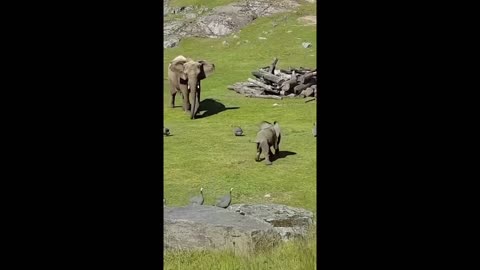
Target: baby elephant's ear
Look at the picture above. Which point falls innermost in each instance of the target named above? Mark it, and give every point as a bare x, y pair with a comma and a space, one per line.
276, 127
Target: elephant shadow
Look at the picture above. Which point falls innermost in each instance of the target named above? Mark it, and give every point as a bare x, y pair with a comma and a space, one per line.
282, 154
209, 107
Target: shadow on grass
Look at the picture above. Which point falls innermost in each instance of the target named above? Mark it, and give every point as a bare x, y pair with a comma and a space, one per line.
282, 154
209, 107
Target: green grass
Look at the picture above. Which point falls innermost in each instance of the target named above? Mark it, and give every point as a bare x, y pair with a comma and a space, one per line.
294, 255
205, 3
205, 153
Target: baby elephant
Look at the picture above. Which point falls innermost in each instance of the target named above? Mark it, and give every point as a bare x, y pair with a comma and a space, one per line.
268, 136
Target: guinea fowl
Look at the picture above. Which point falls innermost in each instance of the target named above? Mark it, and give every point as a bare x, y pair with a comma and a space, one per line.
225, 201
166, 131
314, 130
197, 200
164, 202
238, 131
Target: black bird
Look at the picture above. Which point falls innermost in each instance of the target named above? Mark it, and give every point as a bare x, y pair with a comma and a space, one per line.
225, 201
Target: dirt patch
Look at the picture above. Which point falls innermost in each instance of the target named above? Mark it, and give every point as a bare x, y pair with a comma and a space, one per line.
308, 20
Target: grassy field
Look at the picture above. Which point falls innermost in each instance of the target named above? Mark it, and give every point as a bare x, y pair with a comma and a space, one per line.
204, 153
294, 255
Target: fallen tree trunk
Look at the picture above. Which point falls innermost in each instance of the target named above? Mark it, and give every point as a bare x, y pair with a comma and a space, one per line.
304, 78
272, 66
263, 96
290, 84
267, 76
267, 88
246, 90
307, 92
299, 88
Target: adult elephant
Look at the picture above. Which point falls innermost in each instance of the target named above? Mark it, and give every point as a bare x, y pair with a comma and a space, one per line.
185, 75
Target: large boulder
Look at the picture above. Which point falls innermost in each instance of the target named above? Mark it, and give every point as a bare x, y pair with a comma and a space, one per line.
209, 227
242, 227
289, 222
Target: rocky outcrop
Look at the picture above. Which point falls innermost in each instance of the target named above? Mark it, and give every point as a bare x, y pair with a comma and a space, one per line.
209, 227
221, 21
241, 227
288, 221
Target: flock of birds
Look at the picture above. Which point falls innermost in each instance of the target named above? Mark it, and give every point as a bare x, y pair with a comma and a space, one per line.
222, 202
239, 132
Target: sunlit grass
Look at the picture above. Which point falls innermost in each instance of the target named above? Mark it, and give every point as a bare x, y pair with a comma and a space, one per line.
205, 153
295, 255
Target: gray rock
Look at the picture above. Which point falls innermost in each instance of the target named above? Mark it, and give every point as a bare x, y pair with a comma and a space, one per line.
209, 227
306, 44
289, 222
190, 16
171, 42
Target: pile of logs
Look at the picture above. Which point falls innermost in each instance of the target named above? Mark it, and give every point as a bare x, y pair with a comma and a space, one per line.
278, 83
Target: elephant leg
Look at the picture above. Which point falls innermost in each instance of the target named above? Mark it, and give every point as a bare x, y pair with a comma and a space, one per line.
270, 152
259, 151
266, 150
277, 146
173, 92
173, 100
186, 102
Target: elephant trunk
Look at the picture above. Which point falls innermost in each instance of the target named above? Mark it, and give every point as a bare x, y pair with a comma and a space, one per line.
194, 107
194, 89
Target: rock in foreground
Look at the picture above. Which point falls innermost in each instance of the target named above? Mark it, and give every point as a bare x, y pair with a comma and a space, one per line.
241, 227
288, 221
209, 227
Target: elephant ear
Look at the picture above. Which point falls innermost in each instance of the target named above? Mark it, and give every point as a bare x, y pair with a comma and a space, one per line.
178, 66
265, 124
206, 69
276, 127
